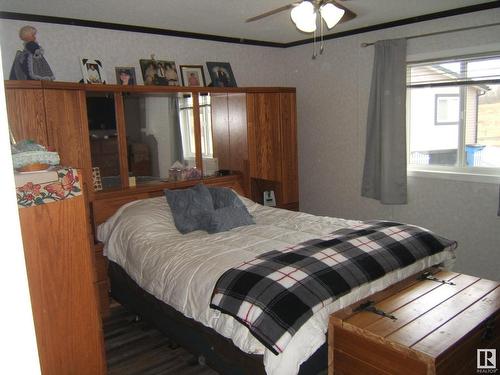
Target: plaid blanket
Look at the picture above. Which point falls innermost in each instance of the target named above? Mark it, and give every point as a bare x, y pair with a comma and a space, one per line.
277, 292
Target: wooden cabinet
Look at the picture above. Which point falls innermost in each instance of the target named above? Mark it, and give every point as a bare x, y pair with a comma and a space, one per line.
61, 282
272, 146
54, 117
253, 134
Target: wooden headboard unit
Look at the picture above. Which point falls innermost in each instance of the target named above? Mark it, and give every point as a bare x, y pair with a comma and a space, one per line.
106, 203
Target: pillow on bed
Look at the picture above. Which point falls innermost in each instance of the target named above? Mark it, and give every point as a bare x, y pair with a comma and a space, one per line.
190, 207
226, 218
230, 212
224, 197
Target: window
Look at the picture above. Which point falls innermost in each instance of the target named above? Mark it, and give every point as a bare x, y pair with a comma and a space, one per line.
454, 115
447, 109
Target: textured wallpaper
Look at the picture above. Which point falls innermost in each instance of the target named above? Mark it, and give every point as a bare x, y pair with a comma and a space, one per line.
64, 45
332, 98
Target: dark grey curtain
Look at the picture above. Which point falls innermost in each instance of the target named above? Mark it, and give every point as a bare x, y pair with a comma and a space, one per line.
384, 175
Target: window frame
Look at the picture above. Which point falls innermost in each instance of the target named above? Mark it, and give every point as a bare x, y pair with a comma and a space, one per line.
460, 171
436, 99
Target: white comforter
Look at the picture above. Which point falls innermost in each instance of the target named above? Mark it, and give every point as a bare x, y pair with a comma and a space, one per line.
181, 270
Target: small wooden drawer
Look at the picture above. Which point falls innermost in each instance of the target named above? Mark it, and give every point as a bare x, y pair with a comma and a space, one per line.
437, 329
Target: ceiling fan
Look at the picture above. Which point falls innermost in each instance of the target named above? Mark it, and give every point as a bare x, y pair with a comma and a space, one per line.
306, 14
330, 10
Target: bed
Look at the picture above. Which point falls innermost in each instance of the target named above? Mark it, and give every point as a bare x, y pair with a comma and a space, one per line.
169, 278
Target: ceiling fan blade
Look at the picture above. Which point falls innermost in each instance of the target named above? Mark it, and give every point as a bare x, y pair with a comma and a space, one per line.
271, 12
348, 15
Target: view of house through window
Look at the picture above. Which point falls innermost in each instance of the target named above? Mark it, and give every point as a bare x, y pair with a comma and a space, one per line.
454, 115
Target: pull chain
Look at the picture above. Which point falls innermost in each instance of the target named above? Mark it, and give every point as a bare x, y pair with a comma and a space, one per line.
314, 46
322, 45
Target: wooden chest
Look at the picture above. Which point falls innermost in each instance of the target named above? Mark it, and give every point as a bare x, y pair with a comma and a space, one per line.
436, 328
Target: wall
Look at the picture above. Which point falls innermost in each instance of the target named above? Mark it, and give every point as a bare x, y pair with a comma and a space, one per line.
332, 100
18, 341
63, 45
332, 97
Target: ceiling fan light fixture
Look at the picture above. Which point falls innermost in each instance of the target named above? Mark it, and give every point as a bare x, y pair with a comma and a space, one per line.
307, 25
304, 17
331, 14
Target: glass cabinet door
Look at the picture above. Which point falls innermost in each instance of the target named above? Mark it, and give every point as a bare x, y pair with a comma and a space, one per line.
160, 134
104, 142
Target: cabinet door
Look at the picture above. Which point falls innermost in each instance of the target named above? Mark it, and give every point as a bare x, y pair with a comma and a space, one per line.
238, 136
26, 113
220, 129
264, 135
238, 132
229, 128
66, 116
290, 178
63, 295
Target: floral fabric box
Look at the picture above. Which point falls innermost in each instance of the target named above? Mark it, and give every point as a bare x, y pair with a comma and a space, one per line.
36, 192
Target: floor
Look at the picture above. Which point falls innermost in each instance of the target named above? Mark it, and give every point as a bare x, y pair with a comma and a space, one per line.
134, 348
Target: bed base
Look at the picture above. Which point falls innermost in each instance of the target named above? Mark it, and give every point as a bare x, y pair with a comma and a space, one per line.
217, 351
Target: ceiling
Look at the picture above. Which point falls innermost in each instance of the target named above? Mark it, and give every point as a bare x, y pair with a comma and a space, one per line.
226, 18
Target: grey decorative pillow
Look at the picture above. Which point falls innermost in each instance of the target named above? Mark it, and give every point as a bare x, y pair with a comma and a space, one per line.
226, 218
190, 207
224, 197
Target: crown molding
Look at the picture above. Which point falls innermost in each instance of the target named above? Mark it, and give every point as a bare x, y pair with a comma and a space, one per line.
226, 39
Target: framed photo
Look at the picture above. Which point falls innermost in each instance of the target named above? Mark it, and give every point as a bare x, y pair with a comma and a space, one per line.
221, 74
125, 75
192, 75
92, 71
159, 72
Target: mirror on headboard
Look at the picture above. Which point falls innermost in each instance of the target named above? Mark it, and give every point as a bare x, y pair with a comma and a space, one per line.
103, 138
159, 132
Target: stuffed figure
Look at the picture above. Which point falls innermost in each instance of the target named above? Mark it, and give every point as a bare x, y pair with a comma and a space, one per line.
29, 64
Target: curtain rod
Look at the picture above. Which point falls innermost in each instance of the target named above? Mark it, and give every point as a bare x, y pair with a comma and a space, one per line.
440, 32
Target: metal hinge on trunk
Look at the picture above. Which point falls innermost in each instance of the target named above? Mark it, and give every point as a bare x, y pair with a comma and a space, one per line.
431, 277
370, 307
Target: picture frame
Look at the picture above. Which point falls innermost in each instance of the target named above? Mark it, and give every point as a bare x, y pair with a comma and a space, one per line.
221, 74
92, 71
125, 75
192, 75
159, 72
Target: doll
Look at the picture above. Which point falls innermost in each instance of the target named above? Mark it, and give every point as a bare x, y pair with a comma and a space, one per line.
29, 64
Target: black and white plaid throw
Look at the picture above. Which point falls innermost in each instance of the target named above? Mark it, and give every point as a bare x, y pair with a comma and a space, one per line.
277, 292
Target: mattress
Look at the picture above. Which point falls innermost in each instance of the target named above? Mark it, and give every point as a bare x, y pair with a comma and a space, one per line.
181, 270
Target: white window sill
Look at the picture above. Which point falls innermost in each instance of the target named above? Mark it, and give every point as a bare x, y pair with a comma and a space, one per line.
456, 176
